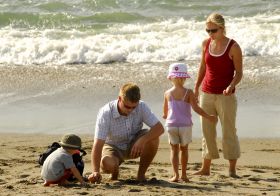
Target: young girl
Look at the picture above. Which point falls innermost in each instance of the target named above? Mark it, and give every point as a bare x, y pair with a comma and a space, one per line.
178, 101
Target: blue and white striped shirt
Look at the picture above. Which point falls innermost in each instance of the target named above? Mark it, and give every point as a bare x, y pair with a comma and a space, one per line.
120, 130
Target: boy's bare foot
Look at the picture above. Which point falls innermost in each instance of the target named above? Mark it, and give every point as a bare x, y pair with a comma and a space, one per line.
174, 179
46, 183
64, 182
202, 173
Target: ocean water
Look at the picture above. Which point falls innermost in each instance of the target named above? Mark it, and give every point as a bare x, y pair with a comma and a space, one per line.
61, 60
86, 31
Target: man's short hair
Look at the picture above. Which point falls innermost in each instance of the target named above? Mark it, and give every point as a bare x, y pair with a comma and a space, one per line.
130, 92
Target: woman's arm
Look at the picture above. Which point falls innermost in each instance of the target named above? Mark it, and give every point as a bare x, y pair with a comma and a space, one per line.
236, 55
201, 70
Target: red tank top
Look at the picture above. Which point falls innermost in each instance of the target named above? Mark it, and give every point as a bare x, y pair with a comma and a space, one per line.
219, 70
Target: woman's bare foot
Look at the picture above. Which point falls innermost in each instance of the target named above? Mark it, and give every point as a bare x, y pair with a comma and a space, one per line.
174, 179
202, 173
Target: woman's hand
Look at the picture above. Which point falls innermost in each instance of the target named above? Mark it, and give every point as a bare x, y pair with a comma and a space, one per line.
228, 90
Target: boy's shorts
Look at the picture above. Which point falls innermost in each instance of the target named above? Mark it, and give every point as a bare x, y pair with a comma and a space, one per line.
111, 150
67, 174
180, 135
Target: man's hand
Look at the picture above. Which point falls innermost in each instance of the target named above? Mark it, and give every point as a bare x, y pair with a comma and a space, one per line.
138, 148
95, 177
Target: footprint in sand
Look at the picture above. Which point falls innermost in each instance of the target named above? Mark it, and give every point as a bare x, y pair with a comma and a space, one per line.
162, 170
255, 179
24, 176
9, 187
134, 190
1, 171
271, 180
83, 193
2, 181
4, 164
258, 171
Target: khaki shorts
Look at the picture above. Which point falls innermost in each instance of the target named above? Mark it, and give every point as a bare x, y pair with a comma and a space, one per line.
180, 135
111, 150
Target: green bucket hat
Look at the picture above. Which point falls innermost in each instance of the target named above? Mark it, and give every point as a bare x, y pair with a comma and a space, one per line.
71, 141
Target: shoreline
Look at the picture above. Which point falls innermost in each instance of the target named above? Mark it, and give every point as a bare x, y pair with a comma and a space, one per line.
252, 119
67, 98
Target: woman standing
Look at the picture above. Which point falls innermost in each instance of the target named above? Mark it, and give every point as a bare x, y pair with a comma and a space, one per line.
219, 73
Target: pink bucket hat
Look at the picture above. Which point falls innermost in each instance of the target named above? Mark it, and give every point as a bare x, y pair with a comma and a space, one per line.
178, 70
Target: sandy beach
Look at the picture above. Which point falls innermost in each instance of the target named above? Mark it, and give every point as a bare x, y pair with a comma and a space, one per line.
60, 61
258, 169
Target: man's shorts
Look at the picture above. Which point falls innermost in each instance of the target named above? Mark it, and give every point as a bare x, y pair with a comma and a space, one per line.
111, 150
180, 135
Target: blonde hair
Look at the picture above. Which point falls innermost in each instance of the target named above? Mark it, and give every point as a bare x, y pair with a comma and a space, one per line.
130, 92
217, 19
178, 81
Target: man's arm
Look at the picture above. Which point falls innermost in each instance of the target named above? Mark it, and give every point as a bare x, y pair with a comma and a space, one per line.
154, 132
96, 154
139, 145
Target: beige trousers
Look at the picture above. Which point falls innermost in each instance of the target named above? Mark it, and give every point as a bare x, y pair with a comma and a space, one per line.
225, 107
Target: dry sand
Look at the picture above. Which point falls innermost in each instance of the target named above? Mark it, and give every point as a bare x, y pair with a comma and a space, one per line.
258, 167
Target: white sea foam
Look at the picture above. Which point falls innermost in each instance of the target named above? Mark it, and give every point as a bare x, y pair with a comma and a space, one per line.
169, 40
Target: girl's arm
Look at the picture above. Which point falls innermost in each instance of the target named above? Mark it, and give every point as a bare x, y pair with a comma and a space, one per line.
165, 106
198, 109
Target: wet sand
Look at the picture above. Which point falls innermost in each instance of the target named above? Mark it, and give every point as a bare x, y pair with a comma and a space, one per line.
58, 99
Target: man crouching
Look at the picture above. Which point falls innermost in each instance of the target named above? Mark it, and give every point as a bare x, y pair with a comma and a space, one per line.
119, 135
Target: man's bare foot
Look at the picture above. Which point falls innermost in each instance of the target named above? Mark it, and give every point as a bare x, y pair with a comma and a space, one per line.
202, 173
141, 179
115, 175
